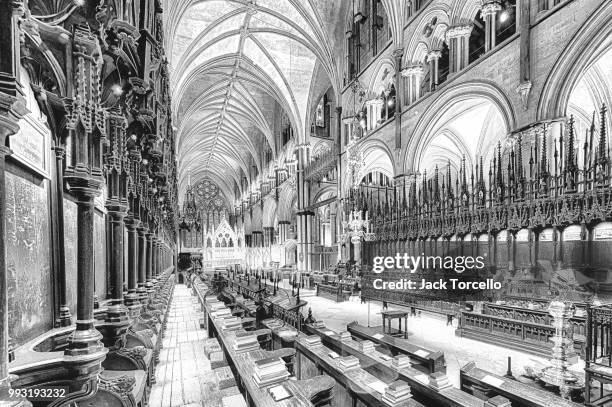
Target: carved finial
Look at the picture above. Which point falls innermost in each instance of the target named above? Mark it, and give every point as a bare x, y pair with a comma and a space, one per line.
543, 160
602, 133
570, 159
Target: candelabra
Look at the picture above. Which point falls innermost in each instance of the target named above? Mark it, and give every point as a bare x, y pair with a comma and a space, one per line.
356, 227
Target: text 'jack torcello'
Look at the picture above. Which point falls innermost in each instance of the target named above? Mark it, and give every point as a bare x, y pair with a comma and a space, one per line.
441, 284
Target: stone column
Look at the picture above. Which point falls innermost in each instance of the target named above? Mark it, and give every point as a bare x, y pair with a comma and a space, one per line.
489, 12
399, 95
332, 228
458, 40
414, 76
433, 57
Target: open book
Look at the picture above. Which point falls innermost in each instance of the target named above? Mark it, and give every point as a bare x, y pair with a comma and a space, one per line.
279, 393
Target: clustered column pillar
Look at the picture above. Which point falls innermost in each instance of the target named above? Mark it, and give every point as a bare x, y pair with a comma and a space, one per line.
414, 76
489, 11
433, 57
399, 96
459, 45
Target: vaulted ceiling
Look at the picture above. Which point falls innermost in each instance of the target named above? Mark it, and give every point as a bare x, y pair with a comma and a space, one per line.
238, 66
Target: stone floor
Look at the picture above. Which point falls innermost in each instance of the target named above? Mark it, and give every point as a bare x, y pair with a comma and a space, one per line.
429, 331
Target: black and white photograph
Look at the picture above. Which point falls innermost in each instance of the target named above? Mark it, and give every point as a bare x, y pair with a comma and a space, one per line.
305, 203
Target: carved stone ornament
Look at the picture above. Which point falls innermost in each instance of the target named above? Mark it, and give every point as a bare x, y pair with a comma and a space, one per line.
524, 89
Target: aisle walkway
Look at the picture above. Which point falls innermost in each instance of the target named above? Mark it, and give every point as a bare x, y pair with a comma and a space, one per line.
184, 376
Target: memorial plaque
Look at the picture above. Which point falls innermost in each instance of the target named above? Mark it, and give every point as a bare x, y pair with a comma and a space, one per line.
30, 143
70, 244
28, 259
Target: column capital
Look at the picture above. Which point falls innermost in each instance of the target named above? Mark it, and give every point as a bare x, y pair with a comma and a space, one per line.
433, 55
398, 53
374, 102
490, 7
459, 31
414, 70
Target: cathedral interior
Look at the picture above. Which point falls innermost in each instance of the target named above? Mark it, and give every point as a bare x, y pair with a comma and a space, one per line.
305, 203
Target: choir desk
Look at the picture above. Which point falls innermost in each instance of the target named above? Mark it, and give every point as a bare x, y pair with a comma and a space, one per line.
243, 367
426, 360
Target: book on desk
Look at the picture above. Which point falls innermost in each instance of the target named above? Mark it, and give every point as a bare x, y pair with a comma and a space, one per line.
279, 393
270, 371
396, 393
246, 343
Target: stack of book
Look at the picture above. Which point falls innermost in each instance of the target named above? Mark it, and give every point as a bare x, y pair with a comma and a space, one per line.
401, 361
345, 336
439, 381
318, 324
222, 313
211, 298
245, 342
216, 305
396, 393
231, 324
270, 371
348, 363
312, 341
366, 346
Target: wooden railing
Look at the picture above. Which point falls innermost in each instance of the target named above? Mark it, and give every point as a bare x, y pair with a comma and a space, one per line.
525, 336
291, 317
539, 317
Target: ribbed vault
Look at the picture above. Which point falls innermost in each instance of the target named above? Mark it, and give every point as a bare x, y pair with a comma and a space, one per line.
238, 66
